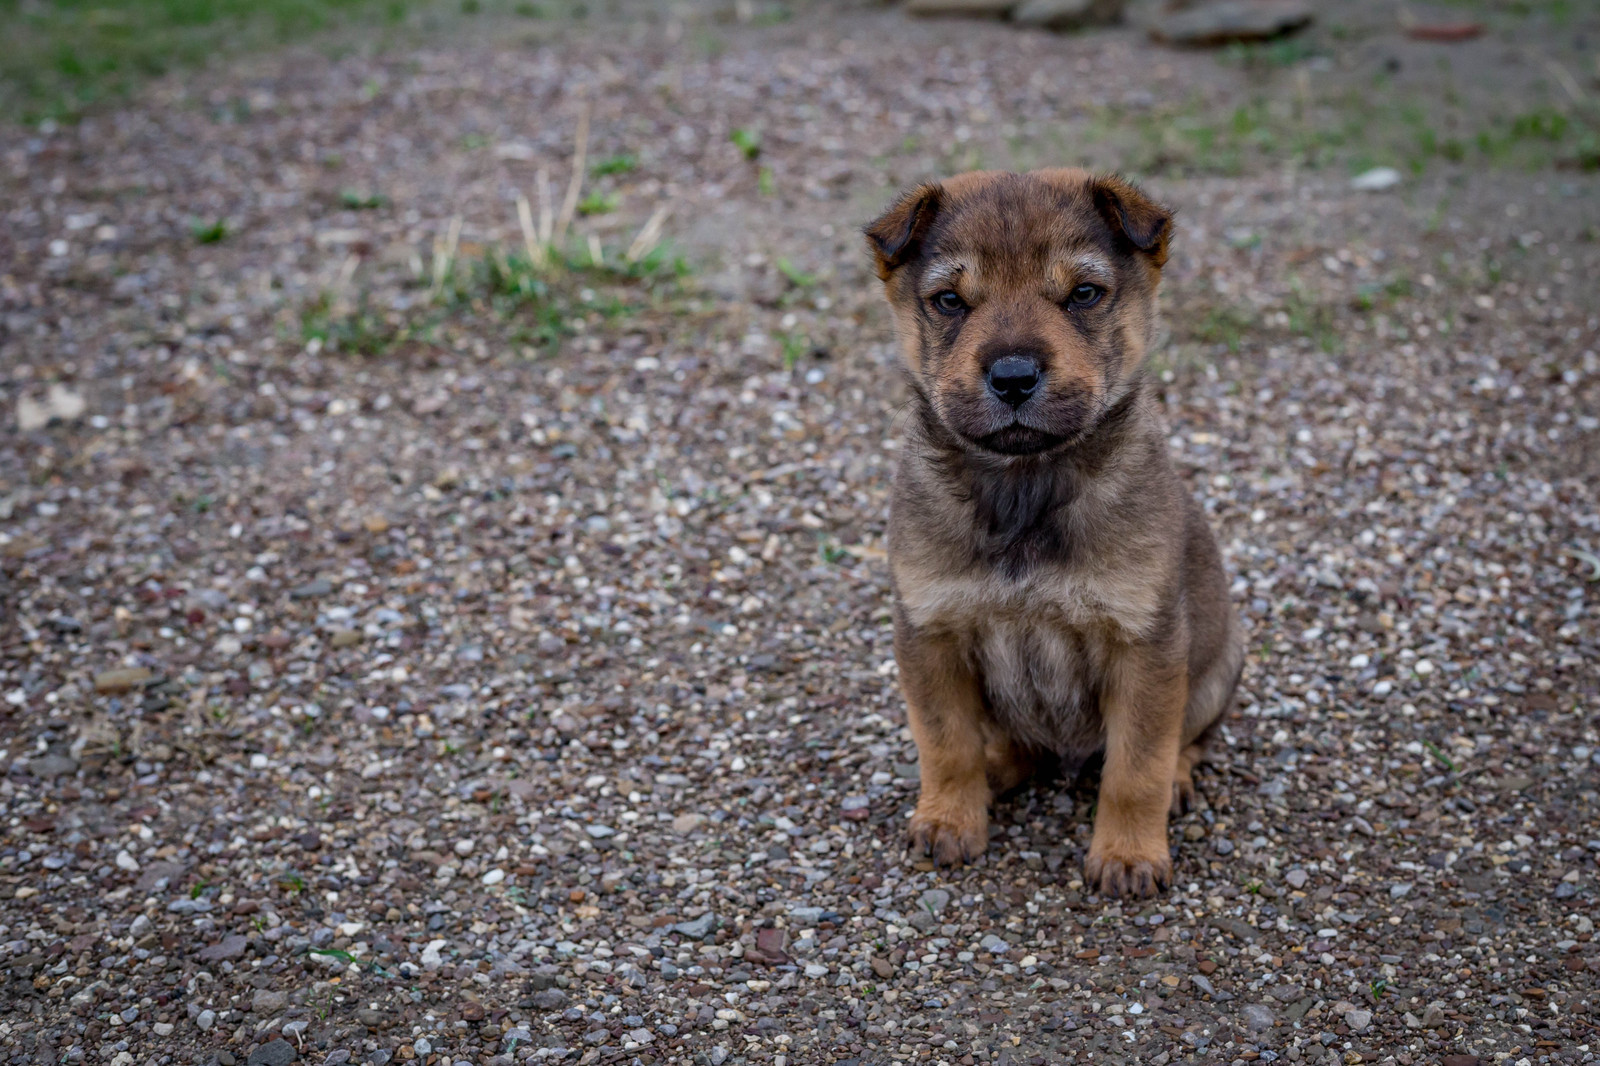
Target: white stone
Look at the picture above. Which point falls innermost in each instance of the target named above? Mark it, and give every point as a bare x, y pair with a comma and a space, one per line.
59, 402
1376, 180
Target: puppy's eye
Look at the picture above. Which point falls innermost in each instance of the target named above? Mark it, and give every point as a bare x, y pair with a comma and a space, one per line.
948, 303
1085, 296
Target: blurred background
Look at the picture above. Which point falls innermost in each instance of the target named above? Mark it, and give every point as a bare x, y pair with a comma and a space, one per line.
443, 596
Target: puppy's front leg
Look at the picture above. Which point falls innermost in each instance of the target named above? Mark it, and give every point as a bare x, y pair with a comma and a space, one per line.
944, 703
1143, 711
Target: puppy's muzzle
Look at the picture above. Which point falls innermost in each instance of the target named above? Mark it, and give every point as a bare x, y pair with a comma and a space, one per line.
1014, 378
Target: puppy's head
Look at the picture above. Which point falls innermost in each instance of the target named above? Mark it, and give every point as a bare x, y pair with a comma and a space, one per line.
1024, 302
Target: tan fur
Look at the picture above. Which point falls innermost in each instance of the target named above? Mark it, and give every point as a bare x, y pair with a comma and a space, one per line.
1058, 593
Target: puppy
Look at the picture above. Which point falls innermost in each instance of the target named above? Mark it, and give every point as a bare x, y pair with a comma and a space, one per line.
1057, 591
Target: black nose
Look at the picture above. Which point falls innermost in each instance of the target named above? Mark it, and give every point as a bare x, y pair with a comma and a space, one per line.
1014, 378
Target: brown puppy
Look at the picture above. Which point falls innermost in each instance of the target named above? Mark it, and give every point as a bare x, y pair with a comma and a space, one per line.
1058, 592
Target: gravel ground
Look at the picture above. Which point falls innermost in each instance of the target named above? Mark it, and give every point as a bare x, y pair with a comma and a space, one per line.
476, 702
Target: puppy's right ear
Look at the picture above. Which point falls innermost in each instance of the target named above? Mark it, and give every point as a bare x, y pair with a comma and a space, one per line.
895, 235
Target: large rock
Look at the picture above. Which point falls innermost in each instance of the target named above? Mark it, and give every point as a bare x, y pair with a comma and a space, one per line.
697, 928
1225, 21
45, 767
971, 8
277, 1052
113, 681
230, 947
1258, 1017
549, 999
1066, 14
268, 1001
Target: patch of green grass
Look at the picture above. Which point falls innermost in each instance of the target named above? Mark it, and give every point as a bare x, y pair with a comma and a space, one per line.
359, 200
1311, 318
747, 141
707, 43
1443, 759
213, 232
772, 15
1283, 52
1556, 11
360, 329
1358, 129
795, 346
833, 552
1541, 137
796, 277
597, 203
1375, 294
766, 185
1224, 324
624, 163
59, 58
536, 303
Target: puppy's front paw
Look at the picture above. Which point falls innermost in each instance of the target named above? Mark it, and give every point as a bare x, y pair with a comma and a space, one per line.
950, 836
1123, 872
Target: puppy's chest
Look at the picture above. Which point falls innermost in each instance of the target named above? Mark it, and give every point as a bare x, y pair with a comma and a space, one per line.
1079, 602
1042, 682
1041, 647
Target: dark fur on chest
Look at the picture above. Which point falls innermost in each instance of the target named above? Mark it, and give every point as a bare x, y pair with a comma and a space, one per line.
1022, 510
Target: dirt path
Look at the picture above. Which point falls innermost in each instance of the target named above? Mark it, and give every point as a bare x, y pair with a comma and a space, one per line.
444, 669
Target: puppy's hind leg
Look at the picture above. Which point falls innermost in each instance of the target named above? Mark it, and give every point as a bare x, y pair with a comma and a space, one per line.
1209, 697
1007, 763
1183, 777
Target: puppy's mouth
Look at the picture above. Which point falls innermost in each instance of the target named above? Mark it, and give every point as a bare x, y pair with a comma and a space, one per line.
1042, 424
1018, 439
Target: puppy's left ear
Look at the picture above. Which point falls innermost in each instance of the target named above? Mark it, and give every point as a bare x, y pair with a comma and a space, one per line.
1134, 217
896, 234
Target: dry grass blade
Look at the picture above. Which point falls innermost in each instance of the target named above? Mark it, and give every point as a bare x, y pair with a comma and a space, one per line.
530, 239
547, 217
341, 284
444, 255
580, 155
1564, 78
649, 235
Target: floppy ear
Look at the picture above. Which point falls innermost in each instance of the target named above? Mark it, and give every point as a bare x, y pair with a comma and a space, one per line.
1134, 217
895, 235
